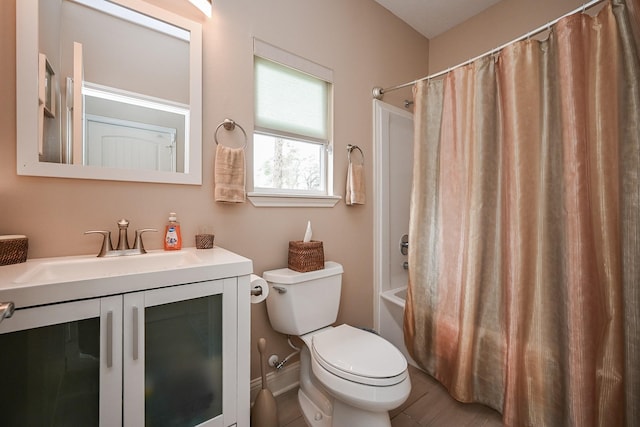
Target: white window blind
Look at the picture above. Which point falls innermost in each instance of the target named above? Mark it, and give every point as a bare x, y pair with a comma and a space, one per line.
292, 136
290, 101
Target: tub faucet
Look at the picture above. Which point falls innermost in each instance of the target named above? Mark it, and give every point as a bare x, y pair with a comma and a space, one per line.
123, 248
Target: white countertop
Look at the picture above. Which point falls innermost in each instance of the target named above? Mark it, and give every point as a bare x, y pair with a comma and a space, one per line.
208, 264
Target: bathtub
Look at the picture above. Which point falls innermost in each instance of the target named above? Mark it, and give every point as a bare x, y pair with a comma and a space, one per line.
391, 319
397, 296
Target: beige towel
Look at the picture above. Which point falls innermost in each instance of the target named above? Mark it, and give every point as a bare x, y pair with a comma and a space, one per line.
355, 185
229, 175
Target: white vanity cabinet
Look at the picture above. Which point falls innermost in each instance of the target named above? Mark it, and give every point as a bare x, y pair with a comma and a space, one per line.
51, 368
173, 355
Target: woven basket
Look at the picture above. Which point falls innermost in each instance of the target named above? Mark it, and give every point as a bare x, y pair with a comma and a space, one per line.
306, 256
13, 249
204, 241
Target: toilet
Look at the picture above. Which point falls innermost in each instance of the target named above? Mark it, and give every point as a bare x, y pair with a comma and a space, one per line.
349, 377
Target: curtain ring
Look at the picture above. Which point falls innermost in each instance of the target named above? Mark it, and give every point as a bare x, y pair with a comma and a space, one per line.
229, 125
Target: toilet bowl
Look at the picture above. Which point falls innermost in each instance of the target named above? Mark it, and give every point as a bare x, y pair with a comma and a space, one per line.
349, 377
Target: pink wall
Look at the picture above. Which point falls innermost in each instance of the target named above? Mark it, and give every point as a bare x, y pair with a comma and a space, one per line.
497, 25
365, 46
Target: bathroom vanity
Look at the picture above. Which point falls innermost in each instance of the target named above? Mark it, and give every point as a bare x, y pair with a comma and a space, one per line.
155, 339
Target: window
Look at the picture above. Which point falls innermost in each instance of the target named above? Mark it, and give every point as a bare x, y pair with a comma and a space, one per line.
292, 135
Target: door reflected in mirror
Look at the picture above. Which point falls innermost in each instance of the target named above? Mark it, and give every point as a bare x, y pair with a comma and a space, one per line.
132, 132
125, 81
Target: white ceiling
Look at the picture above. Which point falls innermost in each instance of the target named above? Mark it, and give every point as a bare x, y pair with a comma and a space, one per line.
433, 17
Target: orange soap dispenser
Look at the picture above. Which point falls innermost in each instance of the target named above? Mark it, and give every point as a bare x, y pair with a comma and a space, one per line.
172, 236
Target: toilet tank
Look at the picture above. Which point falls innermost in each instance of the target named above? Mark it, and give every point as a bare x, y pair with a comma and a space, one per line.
303, 302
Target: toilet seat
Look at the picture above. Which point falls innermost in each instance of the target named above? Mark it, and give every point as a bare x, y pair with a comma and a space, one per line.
359, 356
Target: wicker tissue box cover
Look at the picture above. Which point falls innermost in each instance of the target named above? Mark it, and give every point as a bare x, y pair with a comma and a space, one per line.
13, 249
306, 256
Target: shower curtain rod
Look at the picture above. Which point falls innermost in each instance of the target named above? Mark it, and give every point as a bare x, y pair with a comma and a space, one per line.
378, 92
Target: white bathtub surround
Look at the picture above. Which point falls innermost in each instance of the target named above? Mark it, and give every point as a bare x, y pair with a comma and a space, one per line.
393, 160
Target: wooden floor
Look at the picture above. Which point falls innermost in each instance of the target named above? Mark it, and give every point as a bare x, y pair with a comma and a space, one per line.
429, 404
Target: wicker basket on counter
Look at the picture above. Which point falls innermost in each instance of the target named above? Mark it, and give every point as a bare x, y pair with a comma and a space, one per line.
13, 249
306, 256
204, 241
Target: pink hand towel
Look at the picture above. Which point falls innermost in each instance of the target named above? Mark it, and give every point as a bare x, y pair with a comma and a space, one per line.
355, 194
229, 175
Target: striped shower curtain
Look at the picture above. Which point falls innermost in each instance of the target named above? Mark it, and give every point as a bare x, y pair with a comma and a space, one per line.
524, 262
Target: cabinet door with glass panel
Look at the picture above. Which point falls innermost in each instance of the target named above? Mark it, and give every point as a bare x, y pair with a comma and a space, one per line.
173, 355
60, 365
147, 358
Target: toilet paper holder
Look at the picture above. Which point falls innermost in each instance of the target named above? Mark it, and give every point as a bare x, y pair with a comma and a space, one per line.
259, 289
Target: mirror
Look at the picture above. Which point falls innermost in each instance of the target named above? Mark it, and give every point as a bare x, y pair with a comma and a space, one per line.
108, 89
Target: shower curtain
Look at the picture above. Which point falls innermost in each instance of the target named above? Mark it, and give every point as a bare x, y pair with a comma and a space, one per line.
524, 261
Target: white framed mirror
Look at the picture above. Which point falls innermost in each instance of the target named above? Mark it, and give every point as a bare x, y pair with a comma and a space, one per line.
108, 89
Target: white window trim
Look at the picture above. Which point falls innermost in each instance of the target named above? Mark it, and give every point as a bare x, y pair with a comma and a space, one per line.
276, 198
287, 200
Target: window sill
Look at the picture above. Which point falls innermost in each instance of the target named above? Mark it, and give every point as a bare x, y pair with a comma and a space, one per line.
267, 200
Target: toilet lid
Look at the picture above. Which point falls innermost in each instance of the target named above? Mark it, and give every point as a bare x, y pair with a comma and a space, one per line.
359, 356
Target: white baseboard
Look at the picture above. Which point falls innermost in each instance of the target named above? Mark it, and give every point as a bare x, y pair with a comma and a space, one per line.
278, 382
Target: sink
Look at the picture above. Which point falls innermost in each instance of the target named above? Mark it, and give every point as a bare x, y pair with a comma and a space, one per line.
43, 281
83, 268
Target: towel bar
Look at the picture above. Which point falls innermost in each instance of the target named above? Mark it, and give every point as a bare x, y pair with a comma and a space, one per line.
229, 125
350, 148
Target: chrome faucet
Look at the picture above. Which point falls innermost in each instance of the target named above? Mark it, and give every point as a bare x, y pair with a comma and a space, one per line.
123, 239
123, 248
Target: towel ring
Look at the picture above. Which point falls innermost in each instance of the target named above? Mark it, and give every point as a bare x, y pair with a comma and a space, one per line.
350, 148
229, 125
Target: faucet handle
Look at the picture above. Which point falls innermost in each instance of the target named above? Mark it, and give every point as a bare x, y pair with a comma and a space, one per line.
106, 241
137, 243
